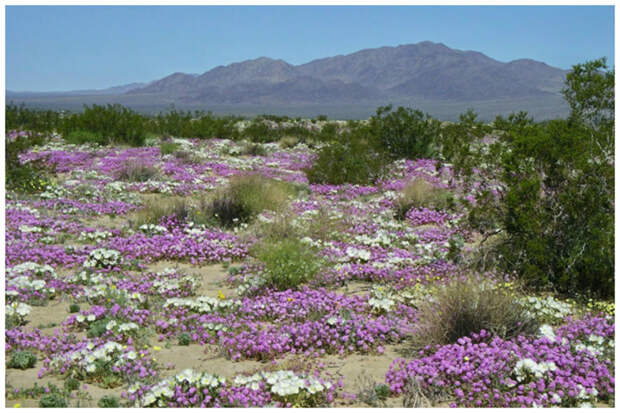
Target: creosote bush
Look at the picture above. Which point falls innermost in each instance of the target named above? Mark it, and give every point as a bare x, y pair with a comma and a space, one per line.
404, 132
353, 162
80, 137
109, 124
419, 193
287, 264
461, 308
548, 190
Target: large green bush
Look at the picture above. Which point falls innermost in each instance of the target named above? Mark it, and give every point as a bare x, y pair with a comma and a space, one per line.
404, 132
79, 137
23, 118
287, 264
547, 190
352, 161
25, 177
196, 125
110, 124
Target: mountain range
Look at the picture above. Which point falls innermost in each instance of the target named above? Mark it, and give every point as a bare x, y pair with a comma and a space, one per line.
426, 72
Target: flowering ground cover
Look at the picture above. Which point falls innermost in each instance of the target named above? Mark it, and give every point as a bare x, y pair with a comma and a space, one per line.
103, 309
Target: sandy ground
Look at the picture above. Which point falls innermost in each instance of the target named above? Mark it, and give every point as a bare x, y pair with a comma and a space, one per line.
357, 369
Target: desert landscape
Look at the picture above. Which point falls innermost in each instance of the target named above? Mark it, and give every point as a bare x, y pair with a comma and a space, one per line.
411, 225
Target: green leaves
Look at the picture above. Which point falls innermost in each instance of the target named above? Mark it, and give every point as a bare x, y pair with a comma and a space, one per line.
549, 189
589, 92
404, 133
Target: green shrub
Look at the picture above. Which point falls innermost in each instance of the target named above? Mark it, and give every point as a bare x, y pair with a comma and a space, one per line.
184, 339
382, 391
97, 329
419, 193
461, 308
287, 264
53, 400
22, 118
167, 148
71, 384
545, 191
108, 401
196, 125
259, 131
26, 177
351, 162
74, 308
111, 123
404, 133
79, 137
22, 360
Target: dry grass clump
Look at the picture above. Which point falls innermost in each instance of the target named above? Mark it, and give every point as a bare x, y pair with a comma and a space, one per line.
246, 196
370, 392
253, 149
415, 395
279, 227
187, 157
288, 142
419, 193
462, 308
136, 172
324, 224
154, 211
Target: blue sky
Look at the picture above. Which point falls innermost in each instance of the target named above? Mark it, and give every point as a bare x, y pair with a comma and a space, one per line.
82, 47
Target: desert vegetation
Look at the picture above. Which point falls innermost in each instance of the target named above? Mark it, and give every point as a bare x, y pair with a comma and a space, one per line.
188, 260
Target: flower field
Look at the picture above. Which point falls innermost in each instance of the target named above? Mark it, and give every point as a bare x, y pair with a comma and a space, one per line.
133, 279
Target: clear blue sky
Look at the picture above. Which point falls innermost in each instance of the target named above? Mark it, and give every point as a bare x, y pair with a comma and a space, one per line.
81, 47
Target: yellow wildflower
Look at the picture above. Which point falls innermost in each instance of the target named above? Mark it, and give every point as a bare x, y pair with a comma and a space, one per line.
17, 405
220, 295
156, 348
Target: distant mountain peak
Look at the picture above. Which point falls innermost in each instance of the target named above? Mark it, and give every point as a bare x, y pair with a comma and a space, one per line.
425, 69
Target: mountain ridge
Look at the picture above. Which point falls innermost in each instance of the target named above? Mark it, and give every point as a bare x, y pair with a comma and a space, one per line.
429, 76
421, 70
